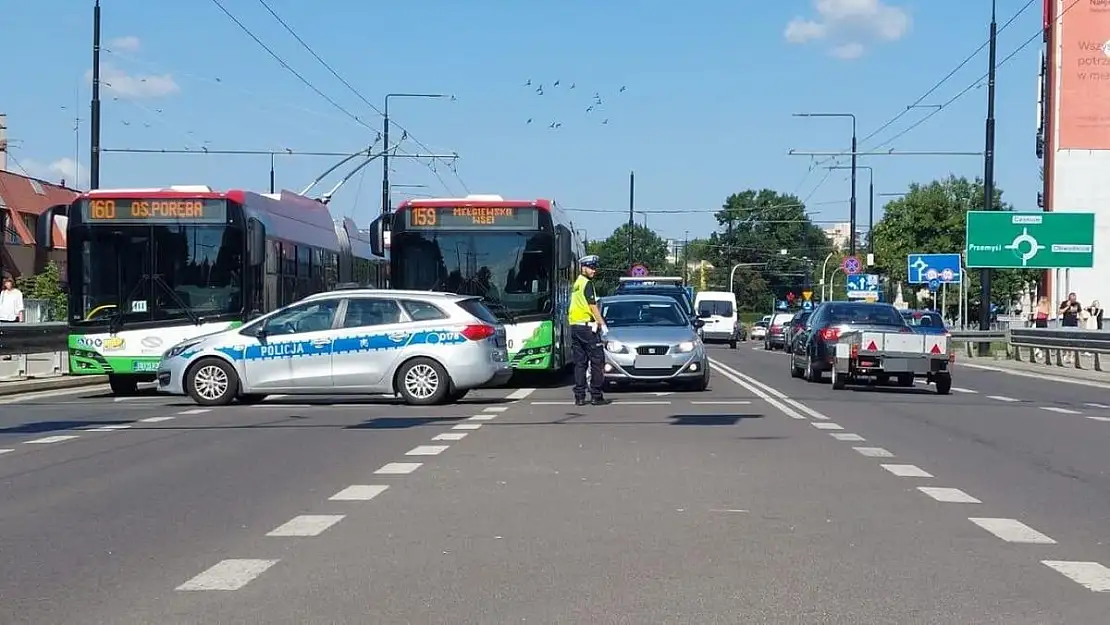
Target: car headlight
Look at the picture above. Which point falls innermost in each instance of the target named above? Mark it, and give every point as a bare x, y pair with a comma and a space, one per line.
616, 347
179, 349
685, 347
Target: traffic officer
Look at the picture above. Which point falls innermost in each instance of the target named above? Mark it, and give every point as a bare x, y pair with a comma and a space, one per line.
586, 329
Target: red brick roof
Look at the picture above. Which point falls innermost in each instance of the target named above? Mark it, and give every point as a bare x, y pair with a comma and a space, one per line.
20, 196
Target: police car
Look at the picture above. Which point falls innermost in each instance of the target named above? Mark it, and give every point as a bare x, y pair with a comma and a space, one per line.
427, 347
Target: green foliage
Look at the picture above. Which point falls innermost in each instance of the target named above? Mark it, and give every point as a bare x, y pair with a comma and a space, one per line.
648, 248
932, 219
46, 286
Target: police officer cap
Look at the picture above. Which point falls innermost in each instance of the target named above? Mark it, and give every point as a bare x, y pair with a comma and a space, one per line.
589, 261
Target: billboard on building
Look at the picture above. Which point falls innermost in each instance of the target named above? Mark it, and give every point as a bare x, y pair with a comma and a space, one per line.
1084, 66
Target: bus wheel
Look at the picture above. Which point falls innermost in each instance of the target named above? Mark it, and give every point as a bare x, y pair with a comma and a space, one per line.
422, 382
123, 384
211, 382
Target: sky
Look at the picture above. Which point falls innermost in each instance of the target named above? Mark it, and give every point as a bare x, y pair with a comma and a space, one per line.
698, 103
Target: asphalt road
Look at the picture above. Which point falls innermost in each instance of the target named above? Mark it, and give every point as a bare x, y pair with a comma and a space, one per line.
763, 500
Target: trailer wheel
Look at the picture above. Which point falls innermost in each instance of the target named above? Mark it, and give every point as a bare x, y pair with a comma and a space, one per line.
944, 383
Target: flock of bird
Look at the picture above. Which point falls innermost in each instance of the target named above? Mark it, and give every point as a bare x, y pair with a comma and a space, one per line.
595, 107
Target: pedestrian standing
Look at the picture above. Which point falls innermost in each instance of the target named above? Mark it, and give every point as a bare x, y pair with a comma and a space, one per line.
586, 330
11, 301
1069, 318
1095, 311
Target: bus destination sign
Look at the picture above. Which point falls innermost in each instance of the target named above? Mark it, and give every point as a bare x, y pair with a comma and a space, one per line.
99, 210
472, 218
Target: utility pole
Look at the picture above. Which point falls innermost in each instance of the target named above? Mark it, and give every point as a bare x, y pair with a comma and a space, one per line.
385, 140
686, 258
631, 223
988, 177
728, 241
855, 155
870, 203
94, 106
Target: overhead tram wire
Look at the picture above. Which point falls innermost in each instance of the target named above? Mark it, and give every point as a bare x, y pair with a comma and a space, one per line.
978, 82
940, 83
359, 94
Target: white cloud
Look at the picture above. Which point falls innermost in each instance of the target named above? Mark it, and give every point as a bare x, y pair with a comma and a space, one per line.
74, 173
135, 86
851, 23
130, 43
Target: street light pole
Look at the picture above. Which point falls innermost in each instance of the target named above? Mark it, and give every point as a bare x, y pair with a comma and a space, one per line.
870, 204
855, 155
385, 140
988, 177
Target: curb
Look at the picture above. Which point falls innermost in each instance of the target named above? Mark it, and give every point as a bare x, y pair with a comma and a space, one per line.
33, 385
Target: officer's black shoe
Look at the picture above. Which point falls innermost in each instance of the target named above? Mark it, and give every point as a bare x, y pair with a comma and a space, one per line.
580, 401
600, 401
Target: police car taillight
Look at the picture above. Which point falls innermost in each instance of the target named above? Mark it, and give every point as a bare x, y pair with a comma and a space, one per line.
478, 332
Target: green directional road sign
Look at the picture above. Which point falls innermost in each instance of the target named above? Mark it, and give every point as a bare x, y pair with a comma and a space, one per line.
1009, 240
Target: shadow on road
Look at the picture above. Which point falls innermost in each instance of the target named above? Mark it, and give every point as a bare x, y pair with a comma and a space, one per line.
41, 427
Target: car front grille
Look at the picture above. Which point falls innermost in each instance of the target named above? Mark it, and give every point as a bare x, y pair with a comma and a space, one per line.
652, 350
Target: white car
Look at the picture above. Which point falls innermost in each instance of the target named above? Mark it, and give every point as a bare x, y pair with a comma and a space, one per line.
426, 347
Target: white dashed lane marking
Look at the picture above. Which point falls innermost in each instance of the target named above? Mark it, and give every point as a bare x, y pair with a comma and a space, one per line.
873, 452
1013, 531
228, 575
496, 409
722, 403
426, 450
1060, 410
956, 389
449, 436
468, 426
359, 492
482, 417
398, 468
156, 419
1091, 575
906, 470
520, 393
1097, 406
827, 426
1002, 398
6, 451
845, 436
306, 525
948, 495
60, 438
195, 411
1103, 419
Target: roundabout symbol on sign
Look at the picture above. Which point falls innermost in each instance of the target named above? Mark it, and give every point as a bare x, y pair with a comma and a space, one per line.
1025, 239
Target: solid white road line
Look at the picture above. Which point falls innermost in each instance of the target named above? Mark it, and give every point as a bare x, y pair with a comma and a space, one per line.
15, 399
520, 393
722, 403
1038, 376
449, 436
306, 525
948, 495
783, 408
827, 426
1060, 410
906, 470
117, 426
427, 450
1091, 575
845, 436
496, 409
228, 575
60, 438
467, 426
156, 419
99, 430
196, 411
6, 451
1013, 531
777, 393
873, 452
1098, 406
359, 492
956, 389
398, 468
1104, 419
1002, 398
482, 417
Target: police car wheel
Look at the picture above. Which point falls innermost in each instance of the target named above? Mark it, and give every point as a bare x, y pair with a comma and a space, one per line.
212, 382
422, 382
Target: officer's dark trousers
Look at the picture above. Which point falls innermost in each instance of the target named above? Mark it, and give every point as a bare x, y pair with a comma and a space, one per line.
586, 349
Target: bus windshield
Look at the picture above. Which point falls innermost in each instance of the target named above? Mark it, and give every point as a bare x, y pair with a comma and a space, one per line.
127, 273
511, 271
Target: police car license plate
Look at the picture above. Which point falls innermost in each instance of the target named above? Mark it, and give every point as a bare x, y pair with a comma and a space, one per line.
653, 362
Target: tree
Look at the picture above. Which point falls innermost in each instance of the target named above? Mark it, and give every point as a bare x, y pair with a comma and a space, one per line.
932, 219
648, 249
755, 227
47, 286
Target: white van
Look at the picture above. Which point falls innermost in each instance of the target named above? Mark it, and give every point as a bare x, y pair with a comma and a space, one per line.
718, 310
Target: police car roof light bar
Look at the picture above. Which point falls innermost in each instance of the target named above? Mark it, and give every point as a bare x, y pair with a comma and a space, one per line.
650, 279
347, 286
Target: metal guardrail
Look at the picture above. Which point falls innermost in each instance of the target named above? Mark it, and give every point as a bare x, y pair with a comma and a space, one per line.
33, 338
1057, 341
978, 335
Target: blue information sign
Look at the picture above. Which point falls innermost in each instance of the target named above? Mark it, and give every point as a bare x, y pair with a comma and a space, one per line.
924, 268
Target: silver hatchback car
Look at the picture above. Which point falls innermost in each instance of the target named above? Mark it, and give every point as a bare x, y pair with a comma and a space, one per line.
427, 347
651, 339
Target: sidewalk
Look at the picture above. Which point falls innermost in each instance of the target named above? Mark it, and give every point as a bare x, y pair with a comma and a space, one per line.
1040, 369
40, 372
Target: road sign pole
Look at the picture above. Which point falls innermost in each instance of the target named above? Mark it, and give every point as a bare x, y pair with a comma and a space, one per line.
988, 178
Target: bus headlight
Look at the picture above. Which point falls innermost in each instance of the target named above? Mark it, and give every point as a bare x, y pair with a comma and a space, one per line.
685, 347
616, 347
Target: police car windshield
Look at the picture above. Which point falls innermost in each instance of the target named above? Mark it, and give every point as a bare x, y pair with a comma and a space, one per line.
642, 313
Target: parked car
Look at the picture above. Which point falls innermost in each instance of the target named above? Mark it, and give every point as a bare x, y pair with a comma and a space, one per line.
427, 347
650, 340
